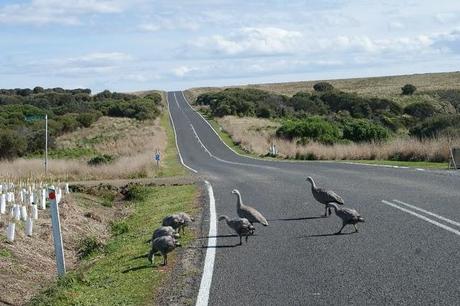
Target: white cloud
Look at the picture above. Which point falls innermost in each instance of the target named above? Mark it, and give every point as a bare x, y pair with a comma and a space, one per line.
182, 71
66, 12
252, 41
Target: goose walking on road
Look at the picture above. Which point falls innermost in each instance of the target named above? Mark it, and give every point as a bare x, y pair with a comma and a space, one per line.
248, 212
240, 225
348, 216
324, 196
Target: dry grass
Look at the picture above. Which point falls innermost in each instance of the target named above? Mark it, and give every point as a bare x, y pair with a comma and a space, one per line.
27, 266
255, 135
387, 86
132, 142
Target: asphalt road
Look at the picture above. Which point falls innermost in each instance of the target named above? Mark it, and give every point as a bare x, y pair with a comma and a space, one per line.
401, 255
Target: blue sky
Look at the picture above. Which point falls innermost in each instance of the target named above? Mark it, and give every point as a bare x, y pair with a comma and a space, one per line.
138, 44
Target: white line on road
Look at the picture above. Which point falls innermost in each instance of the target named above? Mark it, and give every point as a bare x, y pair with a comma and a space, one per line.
175, 137
206, 279
220, 159
447, 228
428, 213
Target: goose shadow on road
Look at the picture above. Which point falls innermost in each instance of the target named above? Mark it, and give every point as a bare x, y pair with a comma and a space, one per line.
326, 235
296, 218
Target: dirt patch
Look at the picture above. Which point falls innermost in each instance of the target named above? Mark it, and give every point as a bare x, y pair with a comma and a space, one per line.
27, 265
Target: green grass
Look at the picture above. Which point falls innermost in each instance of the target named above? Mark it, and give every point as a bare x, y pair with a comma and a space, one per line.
415, 164
117, 276
66, 153
170, 164
5, 253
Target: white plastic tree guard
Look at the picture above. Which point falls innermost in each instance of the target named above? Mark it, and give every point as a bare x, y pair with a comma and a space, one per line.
29, 226
3, 204
10, 230
34, 212
23, 213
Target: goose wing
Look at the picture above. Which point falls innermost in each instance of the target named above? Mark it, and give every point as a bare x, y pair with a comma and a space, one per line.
327, 196
253, 215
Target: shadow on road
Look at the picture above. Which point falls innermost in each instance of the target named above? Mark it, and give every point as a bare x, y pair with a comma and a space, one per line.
325, 235
296, 219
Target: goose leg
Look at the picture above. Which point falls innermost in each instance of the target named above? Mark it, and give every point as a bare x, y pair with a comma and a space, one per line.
151, 255
241, 242
165, 259
340, 231
246, 238
325, 212
356, 228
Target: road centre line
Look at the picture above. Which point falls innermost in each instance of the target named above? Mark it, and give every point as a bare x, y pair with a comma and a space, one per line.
428, 213
447, 228
206, 279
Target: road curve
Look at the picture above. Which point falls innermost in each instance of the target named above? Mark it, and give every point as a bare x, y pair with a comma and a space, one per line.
406, 253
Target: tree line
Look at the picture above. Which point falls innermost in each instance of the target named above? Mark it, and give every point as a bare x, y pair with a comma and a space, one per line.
22, 111
329, 115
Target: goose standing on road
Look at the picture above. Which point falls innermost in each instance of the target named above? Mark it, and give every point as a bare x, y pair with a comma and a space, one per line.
348, 216
324, 196
240, 225
248, 212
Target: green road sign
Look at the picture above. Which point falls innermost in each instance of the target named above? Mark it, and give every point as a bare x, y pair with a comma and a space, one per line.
32, 118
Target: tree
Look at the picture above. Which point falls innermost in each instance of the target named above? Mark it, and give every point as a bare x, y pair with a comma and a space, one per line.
323, 86
408, 89
12, 144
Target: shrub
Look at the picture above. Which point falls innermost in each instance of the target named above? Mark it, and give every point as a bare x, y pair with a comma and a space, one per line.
303, 101
88, 246
435, 126
315, 128
408, 89
135, 192
118, 227
100, 160
323, 86
12, 144
362, 130
420, 109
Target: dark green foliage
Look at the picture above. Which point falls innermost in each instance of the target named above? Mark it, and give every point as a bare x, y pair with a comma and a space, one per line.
408, 89
88, 246
363, 130
135, 192
323, 86
420, 109
23, 111
451, 96
12, 144
100, 160
314, 128
432, 127
305, 102
118, 227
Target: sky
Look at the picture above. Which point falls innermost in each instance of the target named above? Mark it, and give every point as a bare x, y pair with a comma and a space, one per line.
138, 44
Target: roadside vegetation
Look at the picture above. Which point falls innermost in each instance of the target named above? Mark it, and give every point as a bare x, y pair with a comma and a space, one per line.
117, 271
325, 123
118, 142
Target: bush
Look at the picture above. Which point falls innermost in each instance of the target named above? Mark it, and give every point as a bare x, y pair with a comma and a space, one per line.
303, 101
314, 128
361, 130
100, 160
88, 246
408, 89
323, 86
135, 192
119, 227
420, 109
12, 144
436, 126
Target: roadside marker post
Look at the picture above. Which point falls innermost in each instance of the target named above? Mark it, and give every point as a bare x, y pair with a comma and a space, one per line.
57, 237
157, 158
